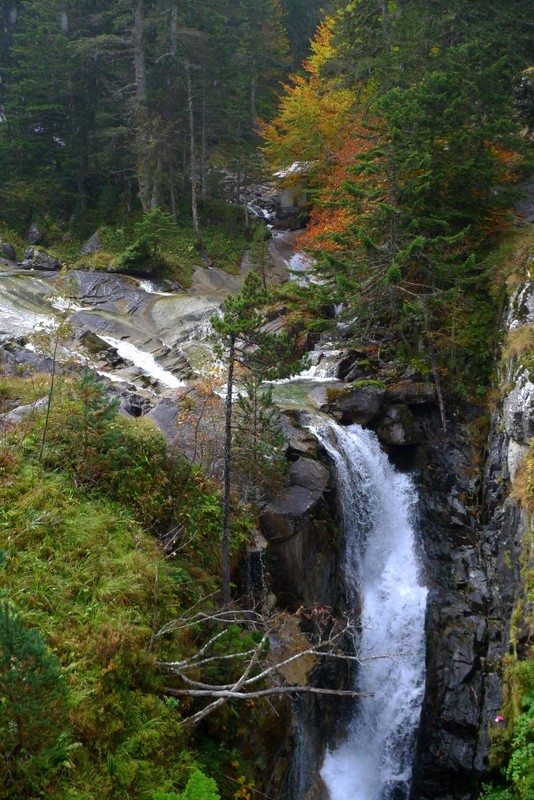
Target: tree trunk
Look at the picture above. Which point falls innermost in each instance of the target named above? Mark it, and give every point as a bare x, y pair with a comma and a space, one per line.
174, 205
253, 112
144, 177
225, 551
192, 152
174, 30
204, 150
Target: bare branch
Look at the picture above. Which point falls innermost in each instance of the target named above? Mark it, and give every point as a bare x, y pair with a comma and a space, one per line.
229, 694
281, 629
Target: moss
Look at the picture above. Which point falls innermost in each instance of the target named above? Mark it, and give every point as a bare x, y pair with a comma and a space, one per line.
368, 382
99, 261
11, 237
520, 345
334, 393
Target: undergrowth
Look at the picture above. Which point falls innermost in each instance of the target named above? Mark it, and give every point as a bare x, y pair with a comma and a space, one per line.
81, 568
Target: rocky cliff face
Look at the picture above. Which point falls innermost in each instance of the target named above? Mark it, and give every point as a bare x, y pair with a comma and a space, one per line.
473, 541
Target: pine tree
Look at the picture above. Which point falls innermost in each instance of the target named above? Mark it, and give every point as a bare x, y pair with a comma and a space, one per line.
264, 356
258, 442
33, 707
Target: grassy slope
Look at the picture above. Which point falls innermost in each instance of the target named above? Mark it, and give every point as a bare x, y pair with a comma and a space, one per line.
81, 568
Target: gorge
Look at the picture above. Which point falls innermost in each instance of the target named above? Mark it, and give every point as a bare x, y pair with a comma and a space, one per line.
464, 526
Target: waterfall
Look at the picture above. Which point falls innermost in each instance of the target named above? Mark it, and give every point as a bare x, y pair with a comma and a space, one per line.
374, 762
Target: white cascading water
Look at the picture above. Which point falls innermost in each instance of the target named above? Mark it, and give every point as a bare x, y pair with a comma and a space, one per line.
374, 762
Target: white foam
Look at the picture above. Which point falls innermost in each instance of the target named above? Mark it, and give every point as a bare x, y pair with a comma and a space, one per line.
144, 361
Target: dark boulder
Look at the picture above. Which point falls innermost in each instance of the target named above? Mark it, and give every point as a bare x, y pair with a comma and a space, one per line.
299, 441
36, 258
309, 474
411, 392
300, 558
92, 245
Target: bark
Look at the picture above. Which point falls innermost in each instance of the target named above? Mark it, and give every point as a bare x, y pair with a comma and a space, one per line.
144, 176
174, 204
139, 53
253, 111
192, 152
204, 147
174, 30
227, 475
234, 695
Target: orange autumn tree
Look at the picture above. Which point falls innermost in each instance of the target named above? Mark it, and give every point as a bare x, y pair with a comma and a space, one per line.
313, 116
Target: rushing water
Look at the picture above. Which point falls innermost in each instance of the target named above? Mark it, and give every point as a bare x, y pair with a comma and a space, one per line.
375, 760
144, 361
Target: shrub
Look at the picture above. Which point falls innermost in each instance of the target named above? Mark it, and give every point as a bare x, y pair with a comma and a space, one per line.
33, 707
141, 258
118, 456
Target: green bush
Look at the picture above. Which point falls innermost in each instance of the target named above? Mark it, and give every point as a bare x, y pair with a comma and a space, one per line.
141, 258
121, 457
199, 787
520, 769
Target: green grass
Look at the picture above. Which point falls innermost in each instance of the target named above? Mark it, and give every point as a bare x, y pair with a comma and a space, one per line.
80, 567
83, 571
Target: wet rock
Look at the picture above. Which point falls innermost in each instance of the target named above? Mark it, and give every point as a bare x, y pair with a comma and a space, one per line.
518, 410
17, 415
299, 441
310, 474
300, 559
286, 641
520, 307
174, 360
285, 516
449, 758
516, 454
35, 258
477, 584
93, 343
193, 428
348, 363
166, 415
318, 396
399, 427
354, 374
134, 404
17, 359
